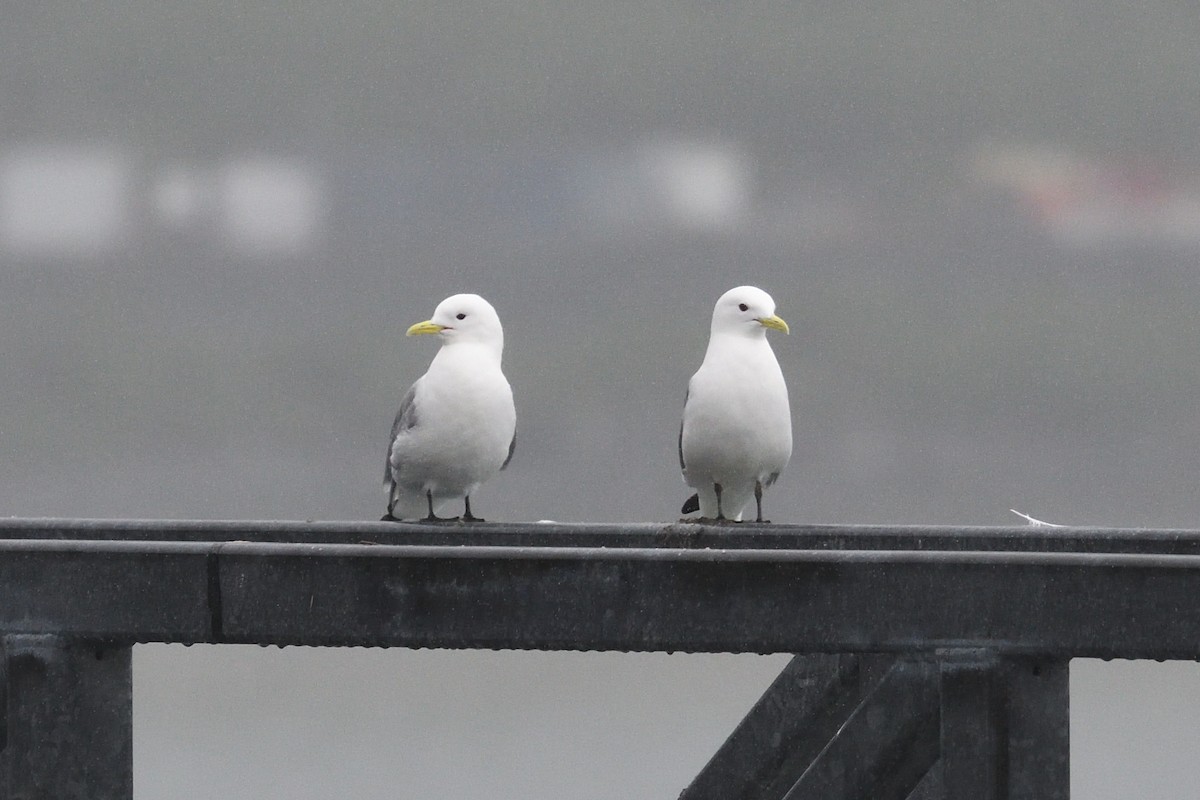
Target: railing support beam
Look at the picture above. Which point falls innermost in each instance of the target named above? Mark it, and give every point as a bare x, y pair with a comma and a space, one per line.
886, 746
1038, 709
958, 723
67, 719
972, 727
788, 727
1004, 727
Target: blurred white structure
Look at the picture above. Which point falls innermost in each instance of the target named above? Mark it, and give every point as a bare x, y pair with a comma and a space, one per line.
692, 185
262, 206
270, 206
64, 201
182, 197
1082, 201
81, 202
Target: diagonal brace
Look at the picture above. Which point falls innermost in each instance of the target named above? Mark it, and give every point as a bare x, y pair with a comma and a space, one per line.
787, 728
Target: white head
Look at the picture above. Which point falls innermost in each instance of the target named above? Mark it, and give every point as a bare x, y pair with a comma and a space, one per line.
746, 310
463, 318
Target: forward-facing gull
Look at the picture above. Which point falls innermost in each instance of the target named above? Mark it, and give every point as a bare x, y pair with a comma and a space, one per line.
736, 435
456, 425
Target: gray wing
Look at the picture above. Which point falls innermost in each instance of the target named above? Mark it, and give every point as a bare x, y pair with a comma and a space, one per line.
682, 465
511, 447
692, 504
406, 418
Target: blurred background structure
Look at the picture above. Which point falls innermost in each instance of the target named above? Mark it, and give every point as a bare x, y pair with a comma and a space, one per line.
216, 222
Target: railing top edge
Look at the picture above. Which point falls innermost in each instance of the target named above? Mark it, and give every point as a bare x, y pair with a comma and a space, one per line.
323, 550
10, 525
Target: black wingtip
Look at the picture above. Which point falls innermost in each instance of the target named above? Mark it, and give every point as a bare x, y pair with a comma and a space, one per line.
691, 504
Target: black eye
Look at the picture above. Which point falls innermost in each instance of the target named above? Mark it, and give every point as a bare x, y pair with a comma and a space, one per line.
743, 307
460, 316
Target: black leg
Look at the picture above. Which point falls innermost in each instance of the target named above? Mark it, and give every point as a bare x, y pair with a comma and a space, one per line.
717, 489
758, 500
390, 515
432, 516
467, 515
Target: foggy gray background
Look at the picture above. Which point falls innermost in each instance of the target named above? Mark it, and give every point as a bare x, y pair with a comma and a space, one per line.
216, 223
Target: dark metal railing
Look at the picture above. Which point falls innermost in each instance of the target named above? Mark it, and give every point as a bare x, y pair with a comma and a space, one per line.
932, 661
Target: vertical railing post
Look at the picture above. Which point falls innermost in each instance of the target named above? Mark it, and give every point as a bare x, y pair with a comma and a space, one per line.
68, 719
973, 727
1038, 709
1005, 727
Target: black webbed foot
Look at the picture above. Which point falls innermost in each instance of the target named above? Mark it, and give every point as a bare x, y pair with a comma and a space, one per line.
432, 517
467, 515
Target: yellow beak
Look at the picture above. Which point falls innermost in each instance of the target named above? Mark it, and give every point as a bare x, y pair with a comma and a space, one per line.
428, 326
767, 322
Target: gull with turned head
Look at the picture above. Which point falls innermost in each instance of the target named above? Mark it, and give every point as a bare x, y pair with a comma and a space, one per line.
736, 434
456, 425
